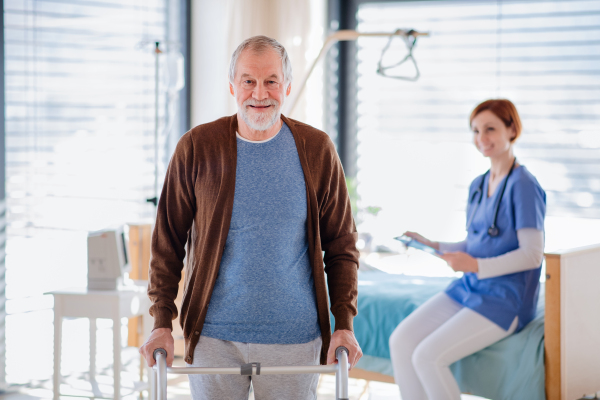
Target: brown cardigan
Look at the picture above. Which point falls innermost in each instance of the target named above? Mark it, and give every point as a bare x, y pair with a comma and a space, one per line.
198, 194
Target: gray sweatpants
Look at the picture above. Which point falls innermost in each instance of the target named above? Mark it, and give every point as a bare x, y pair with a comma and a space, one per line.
211, 352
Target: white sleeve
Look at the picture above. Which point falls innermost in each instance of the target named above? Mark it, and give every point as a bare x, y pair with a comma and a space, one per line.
528, 256
447, 247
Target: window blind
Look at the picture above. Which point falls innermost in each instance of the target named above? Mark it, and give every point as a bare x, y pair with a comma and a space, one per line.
416, 158
80, 150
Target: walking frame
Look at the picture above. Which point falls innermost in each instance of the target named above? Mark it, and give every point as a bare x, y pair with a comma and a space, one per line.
158, 383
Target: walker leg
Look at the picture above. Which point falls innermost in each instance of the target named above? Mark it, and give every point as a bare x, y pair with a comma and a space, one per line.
341, 375
151, 384
160, 355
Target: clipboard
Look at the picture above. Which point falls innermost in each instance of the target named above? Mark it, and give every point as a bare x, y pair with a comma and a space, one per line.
410, 242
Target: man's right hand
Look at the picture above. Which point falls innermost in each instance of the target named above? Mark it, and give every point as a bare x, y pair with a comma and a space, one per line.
160, 338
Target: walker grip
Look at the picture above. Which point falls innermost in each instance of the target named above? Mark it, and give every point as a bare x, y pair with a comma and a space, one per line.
159, 350
340, 349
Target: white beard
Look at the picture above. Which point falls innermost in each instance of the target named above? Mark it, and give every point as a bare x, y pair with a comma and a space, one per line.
260, 121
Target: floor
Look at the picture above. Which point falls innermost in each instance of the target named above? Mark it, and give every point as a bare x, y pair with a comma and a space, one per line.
77, 385
178, 389
33, 380
30, 363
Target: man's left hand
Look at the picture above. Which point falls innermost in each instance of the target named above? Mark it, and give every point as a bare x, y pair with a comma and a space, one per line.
460, 261
344, 338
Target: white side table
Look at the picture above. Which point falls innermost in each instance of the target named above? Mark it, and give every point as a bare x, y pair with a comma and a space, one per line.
126, 302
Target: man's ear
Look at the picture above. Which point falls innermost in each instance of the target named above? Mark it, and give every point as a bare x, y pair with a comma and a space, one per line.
289, 89
231, 89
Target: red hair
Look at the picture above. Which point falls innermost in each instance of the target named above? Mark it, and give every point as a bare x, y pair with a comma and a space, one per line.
503, 109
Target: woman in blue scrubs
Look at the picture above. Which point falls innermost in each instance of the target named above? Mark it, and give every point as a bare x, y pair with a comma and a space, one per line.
501, 260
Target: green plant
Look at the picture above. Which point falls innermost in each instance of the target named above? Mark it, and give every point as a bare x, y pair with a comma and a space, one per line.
357, 211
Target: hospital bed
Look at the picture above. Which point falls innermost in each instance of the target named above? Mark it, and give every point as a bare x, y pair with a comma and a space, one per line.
555, 357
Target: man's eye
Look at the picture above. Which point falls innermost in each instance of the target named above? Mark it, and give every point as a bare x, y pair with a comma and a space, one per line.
247, 82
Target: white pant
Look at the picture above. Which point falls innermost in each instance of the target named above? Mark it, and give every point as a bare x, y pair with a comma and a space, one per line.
430, 339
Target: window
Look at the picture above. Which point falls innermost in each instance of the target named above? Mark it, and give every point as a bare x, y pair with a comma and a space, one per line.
415, 157
80, 150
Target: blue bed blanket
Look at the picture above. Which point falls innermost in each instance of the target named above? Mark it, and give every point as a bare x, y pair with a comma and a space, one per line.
510, 369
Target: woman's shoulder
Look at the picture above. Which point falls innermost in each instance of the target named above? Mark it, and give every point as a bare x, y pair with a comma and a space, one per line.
522, 176
524, 183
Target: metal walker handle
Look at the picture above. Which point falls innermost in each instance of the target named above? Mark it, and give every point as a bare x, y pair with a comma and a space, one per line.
341, 375
160, 374
160, 371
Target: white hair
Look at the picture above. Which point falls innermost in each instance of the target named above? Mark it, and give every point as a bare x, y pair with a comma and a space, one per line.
259, 44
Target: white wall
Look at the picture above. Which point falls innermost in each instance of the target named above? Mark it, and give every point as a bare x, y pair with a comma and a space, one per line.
210, 59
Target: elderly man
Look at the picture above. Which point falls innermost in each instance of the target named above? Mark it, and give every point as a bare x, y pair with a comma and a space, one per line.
261, 201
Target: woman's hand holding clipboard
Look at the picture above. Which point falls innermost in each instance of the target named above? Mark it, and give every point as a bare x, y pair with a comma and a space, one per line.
458, 261
411, 239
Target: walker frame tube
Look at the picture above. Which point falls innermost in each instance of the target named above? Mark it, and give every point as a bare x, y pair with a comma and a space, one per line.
160, 371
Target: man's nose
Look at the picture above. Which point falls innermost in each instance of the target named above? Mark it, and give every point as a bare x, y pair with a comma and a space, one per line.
260, 92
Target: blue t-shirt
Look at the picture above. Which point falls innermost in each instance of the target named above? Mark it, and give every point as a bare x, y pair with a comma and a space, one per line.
264, 292
502, 298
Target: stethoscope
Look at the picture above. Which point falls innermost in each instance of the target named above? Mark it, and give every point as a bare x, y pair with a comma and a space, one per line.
493, 230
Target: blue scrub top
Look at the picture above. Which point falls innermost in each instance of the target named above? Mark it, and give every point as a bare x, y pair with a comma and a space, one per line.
523, 205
